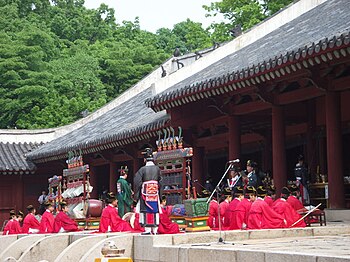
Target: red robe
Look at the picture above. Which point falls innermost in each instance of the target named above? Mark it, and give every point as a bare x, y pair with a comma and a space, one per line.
223, 208
7, 227
46, 224
295, 203
165, 224
269, 200
229, 215
282, 207
30, 222
262, 216
240, 214
15, 228
137, 225
62, 220
213, 214
111, 219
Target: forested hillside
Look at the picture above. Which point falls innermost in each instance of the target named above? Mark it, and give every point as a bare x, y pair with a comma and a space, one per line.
59, 59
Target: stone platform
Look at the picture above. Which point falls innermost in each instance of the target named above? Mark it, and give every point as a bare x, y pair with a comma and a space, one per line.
314, 244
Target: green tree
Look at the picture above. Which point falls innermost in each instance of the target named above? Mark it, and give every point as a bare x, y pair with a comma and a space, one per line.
244, 13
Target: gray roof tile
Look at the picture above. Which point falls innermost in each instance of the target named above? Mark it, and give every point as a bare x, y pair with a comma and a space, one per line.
326, 20
128, 119
13, 160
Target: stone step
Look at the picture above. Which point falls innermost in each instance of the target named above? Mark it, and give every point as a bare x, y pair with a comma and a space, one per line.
17, 248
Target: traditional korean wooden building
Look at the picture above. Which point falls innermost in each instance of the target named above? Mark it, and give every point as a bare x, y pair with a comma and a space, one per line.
279, 90
282, 95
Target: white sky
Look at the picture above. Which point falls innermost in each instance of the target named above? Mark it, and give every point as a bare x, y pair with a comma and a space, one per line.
154, 14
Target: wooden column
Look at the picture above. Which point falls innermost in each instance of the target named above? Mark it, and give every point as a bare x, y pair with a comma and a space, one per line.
234, 140
278, 149
93, 182
113, 176
197, 168
334, 151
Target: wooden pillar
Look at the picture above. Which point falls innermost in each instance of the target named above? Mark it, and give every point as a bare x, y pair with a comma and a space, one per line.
234, 140
198, 173
113, 176
93, 182
334, 151
311, 154
278, 149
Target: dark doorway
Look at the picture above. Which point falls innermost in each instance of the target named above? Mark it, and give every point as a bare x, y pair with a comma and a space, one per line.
102, 173
216, 168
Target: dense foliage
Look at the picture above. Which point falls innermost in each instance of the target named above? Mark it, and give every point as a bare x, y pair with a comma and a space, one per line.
59, 59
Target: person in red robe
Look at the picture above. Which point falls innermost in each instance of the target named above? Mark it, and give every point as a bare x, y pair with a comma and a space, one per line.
223, 207
165, 224
15, 226
241, 213
110, 220
294, 201
271, 195
213, 220
9, 223
63, 223
47, 219
282, 207
30, 224
230, 218
261, 216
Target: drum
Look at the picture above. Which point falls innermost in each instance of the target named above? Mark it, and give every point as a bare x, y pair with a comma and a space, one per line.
93, 208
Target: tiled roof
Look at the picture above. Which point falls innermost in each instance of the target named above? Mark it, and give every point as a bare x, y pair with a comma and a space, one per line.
13, 160
129, 122
318, 36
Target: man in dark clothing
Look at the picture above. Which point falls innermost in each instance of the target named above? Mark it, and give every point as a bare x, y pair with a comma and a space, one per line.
147, 189
252, 178
302, 178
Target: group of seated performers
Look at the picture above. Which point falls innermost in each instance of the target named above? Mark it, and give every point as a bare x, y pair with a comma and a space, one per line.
48, 223
13, 224
245, 208
112, 222
250, 208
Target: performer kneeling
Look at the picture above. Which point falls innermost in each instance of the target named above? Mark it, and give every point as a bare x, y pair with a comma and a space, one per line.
282, 207
165, 225
30, 224
9, 223
47, 219
110, 220
63, 223
261, 215
16, 227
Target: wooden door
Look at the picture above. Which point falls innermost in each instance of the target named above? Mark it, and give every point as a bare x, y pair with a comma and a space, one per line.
7, 200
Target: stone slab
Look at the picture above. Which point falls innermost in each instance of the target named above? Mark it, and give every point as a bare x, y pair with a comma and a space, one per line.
337, 214
47, 248
209, 254
17, 248
76, 250
288, 257
5, 241
250, 256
